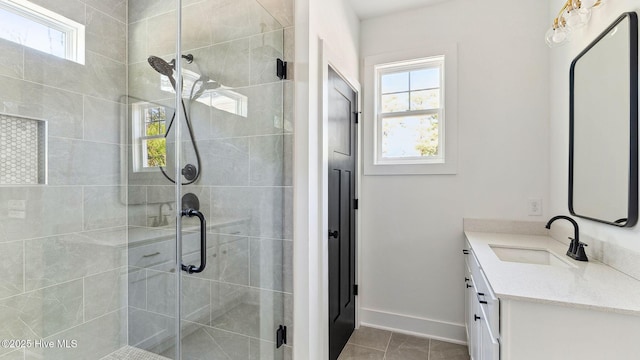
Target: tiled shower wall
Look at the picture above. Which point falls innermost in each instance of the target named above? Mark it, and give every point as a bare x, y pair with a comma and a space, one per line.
63, 244
245, 190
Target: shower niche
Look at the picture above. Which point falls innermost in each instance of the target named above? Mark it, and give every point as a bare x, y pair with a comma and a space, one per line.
23, 150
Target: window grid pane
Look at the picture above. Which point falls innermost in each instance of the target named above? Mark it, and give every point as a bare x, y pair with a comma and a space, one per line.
410, 90
410, 136
410, 126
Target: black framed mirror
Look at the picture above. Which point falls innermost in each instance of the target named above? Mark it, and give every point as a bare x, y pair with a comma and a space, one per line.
603, 130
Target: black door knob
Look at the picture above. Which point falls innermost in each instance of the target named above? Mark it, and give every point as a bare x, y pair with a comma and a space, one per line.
476, 317
334, 234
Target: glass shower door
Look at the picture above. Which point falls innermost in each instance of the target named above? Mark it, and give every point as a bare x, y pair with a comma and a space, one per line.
234, 142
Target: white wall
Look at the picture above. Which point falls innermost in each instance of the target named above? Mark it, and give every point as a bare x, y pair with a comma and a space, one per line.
412, 264
561, 58
336, 23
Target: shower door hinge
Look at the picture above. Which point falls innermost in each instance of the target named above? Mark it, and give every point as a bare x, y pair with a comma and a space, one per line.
281, 69
355, 290
355, 204
281, 336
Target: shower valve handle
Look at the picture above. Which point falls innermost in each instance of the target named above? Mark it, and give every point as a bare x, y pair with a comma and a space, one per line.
192, 269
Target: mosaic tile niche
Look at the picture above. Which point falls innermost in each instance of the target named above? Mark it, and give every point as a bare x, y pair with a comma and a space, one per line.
22, 151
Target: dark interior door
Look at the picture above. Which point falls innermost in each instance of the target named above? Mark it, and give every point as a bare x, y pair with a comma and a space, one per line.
342, 230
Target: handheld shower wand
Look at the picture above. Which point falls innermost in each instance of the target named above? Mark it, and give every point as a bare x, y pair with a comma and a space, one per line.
190, 172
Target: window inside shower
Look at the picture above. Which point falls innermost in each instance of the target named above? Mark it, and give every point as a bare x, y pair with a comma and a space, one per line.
149, 126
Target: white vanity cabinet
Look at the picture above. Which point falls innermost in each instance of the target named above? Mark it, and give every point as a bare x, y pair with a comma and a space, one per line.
523, 311
482, 312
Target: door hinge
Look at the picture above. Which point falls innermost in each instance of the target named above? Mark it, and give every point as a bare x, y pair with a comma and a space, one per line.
281, 336
355, 290
355, 204
281, 69
357, 116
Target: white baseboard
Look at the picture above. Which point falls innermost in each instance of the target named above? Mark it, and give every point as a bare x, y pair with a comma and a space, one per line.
410, 325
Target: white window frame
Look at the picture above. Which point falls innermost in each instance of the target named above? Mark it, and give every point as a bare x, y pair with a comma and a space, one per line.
74, 31
448, 163
139, 136
402, 67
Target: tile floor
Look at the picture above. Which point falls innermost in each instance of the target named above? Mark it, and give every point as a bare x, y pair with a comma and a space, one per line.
374, 344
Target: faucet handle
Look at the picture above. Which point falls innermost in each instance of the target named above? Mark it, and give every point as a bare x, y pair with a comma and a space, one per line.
580, 253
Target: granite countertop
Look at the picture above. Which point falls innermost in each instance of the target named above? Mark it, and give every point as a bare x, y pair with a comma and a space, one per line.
591, 285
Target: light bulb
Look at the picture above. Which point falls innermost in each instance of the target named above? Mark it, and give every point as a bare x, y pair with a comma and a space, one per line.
558, 36
577, 18
572, 18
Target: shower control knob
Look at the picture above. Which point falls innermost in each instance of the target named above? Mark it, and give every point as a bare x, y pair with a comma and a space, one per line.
189, 172
334, 234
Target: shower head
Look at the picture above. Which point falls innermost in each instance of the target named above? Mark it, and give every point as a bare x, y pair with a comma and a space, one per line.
163, 67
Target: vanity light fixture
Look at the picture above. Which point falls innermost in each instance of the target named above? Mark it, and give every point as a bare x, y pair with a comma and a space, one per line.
573, 15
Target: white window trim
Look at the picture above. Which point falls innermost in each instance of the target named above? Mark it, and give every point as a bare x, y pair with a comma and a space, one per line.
138, 130
448, 165
405, 66
75, 32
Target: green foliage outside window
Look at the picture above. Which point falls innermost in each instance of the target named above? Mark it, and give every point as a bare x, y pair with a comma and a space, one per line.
155, 122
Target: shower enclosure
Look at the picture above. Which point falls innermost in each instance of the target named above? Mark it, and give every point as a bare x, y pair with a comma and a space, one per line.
145, 180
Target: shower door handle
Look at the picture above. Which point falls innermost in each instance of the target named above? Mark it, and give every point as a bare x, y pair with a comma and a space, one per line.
192, 269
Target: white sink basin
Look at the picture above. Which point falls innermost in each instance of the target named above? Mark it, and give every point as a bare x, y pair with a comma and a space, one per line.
528, 256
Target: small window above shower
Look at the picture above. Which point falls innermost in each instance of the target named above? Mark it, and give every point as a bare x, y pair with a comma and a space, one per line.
41, 29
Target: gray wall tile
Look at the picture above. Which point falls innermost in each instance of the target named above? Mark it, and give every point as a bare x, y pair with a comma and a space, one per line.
194, 37
41, 313
140, 9
62, 109
245, 310
114, 8
137, 36
161, 34
161, 292
265, 108
196, 306
265, 49
137, 288
227, 63
11, 59
99, 77
75, 162
207, 343
48, 210
11, 268
104, 207
281, 10
96, 338
105, 293
225, 162
272, 264
268, 157
150, 329
104, 121
72, 9
14, 355
239, 19
106, 35
58, 259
